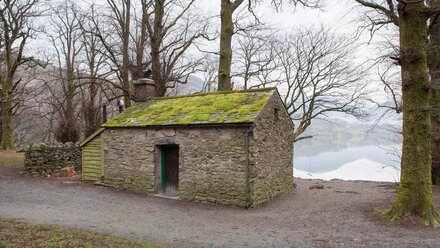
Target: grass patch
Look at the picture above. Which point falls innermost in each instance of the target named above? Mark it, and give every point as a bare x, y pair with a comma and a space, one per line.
20, 234
317, 186
11, 159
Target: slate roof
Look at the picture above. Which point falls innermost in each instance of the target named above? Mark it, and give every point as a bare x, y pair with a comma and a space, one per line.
210, 108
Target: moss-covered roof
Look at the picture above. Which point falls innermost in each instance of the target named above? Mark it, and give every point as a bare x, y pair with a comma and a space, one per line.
211, 108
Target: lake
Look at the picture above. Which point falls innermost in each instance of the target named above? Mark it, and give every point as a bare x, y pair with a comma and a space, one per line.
349, 153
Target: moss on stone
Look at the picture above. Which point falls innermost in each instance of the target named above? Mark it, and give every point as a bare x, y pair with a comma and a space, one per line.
219, 107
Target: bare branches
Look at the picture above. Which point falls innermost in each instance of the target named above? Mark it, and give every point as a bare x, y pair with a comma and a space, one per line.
16, 29
96, 54
378, 14
66, 38
391, 86
173, 28
255, 56
390, 11
306, 3
316, 75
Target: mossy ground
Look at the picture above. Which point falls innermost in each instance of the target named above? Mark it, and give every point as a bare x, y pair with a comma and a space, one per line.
232, 107
20, 234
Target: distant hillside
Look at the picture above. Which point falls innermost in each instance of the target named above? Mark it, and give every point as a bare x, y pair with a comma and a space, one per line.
335, 134
193, 85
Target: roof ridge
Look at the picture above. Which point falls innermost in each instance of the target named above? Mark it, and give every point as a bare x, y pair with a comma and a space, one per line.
216, 93
216, 107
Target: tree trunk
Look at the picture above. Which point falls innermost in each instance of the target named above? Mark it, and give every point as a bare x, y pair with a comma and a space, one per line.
126, 53
226, 32
92, 116
7, 141
414, 195
92, 112
434, 100
16, 19
68, 129
137, 70
72, 127
156, 42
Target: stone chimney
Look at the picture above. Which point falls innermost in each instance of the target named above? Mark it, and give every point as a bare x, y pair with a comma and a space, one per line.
143, 89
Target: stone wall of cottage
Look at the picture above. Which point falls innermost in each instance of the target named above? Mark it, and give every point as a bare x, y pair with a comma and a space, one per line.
212, 161
271, 149
45, 159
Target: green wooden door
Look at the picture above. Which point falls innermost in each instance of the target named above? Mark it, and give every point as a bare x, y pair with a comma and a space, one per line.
92, 161
163, 162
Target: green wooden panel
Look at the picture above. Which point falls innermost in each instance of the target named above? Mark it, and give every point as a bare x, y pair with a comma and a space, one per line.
93, 153
92, 170
92, 160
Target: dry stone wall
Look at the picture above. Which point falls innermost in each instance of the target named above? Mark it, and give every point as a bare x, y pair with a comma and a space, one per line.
45, 159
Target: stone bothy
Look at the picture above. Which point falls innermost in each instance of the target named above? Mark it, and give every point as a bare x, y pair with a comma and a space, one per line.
232, 148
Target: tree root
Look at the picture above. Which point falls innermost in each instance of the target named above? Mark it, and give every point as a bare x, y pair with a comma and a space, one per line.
430, 217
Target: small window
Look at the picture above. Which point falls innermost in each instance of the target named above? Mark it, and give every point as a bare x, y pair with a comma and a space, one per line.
276, 114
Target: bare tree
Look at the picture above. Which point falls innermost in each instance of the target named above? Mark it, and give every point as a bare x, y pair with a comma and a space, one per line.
228, 7
149, 33
209, 70
173, 30
414, 196
321, 77
16, 27
93, 70
140, 46
376, 19
65, 37
112, 28
254, 55
316, 74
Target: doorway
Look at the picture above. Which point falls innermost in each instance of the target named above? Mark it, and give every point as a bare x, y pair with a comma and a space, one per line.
169, 169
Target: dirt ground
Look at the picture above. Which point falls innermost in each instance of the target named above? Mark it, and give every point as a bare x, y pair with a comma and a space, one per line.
340, 215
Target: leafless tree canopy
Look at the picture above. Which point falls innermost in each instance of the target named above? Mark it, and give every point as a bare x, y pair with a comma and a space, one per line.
95, 51
16, 29
314, 70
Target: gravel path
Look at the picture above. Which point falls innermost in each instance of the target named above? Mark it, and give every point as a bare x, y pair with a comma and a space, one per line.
338, 216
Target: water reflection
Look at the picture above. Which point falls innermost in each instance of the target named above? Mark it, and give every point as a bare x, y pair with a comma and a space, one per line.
332, 160
360, 169
349, 153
